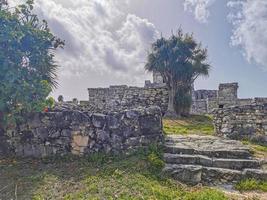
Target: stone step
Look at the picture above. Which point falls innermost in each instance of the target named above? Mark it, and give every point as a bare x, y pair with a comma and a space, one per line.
210, 146
237, 164
217, 153
194, 174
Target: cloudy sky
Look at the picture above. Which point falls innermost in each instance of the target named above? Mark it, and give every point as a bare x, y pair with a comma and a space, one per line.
107, 40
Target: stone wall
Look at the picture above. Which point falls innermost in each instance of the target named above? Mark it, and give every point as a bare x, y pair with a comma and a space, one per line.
124, 97
73, 131
199, 106
156, 94
242, 122
205, 94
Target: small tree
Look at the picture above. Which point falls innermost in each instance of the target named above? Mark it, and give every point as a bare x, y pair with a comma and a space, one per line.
180, 60
28, 71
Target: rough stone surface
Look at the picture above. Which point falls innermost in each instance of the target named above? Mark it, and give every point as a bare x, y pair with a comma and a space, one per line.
78, 132
242, 122
124, 97
156, 94
210, 160
206, 145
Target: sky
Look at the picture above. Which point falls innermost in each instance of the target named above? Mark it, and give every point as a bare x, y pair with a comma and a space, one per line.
107, 40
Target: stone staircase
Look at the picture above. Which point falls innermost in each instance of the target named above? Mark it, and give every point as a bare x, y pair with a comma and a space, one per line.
210, 160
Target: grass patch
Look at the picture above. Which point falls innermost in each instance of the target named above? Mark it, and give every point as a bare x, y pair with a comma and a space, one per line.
206, 194
251, 185
136, 176
258, 150
195, 124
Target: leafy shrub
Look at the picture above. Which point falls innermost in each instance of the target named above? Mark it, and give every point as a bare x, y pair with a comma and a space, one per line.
50, 102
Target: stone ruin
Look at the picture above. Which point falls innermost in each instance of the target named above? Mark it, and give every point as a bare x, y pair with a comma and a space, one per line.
204, 101
122, 119
89, 126
245, 122
235, 117
64, 131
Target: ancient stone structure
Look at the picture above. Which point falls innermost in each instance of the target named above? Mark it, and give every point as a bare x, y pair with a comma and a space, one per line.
204, 101
243, 122
210, 160
82, 132
124, 97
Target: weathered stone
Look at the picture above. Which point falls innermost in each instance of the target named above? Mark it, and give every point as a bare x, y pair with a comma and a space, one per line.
42, 133
79, 144
206, 145
242, 122
66, 133
213, 175
188, 159
99, 120
132, 114
256, 174
146, 124
189, 174
85, 133
200, 164
236, 163
114, 121
102, 136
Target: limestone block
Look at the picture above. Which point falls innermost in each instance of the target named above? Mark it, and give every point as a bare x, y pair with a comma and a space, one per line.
79, 144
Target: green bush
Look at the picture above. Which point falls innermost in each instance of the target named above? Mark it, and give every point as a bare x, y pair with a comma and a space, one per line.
50, 102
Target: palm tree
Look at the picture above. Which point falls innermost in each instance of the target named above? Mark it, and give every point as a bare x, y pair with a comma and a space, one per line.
180, 60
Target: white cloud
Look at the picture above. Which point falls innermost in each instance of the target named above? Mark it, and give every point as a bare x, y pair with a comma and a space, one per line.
249, 20
200, 9
101, 37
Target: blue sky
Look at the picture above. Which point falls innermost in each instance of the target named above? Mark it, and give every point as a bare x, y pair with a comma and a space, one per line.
107, 40
228, 62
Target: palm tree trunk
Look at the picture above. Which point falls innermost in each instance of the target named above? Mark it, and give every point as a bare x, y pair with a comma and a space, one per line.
171, 113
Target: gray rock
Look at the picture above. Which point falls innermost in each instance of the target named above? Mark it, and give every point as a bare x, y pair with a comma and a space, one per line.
189, 174
99, 120
102, 136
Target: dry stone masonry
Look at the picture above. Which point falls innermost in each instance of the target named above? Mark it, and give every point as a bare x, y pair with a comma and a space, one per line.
243, 122
124, 97
156, 93
61, 132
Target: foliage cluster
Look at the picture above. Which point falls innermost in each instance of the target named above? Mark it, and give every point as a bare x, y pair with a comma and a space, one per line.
28, 71
180, 60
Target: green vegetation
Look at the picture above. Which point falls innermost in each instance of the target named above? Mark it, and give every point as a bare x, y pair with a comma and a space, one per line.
180, 60
195, 124
251, 185
136, 176
258, 150
28, 71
